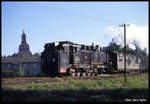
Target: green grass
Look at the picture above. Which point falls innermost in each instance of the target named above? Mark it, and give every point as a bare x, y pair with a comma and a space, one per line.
81, 90
74, 84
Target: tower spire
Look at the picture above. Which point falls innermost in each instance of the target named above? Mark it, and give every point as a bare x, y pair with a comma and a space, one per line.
24, 47
23, 37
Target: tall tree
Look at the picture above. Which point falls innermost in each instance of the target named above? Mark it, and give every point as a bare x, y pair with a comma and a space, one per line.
36, 54
113, 47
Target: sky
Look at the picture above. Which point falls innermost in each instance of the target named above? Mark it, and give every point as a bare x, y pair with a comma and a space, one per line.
78, 22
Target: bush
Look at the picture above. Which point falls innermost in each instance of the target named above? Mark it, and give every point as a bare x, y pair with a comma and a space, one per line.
21, 72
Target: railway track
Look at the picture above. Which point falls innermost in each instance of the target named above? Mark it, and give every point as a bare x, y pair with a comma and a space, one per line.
24, 81
105, 76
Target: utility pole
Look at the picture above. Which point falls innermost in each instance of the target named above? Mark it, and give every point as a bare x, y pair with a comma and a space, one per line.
124, 25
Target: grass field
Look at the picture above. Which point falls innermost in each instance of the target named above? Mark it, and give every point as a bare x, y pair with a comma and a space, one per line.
69, 89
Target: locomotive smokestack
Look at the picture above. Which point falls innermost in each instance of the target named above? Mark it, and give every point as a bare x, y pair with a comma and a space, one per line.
93, 44
83, 47
92, 47
97, 48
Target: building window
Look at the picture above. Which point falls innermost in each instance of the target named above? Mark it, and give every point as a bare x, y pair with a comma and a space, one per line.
34, 65
137, 60
120, 60
78, 49
129, 61
9, 65
27, 73
24, 65
14, 66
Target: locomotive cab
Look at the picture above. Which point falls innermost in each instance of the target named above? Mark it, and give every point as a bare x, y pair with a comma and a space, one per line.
54, 59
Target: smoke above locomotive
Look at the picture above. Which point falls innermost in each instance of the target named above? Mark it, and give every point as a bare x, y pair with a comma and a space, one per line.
136, 35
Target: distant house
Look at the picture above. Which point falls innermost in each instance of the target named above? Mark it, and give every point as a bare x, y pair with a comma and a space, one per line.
31, 66
22, 60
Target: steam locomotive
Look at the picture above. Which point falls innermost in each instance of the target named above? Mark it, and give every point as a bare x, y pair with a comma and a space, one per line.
65, 57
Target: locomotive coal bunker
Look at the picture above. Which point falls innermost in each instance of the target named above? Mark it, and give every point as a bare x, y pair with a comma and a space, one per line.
65, 57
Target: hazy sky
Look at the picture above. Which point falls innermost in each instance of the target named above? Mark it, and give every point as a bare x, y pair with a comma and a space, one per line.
79, 22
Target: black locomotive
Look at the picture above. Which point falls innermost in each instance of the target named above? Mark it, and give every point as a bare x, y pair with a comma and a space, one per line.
69, 58
65, 57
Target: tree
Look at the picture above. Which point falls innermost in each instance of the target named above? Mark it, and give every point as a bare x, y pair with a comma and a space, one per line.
36, 54
4, 56
8, 56
128, 49
21, 71
113, 47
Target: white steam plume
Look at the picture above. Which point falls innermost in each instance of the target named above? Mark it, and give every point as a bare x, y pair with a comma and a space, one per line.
134, 35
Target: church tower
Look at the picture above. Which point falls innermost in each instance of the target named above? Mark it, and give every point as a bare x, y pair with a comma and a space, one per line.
24, 49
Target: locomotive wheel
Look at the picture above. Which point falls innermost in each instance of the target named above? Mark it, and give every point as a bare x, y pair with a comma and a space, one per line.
78, 74
83, 74
89, 74
93, 74
72, 74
